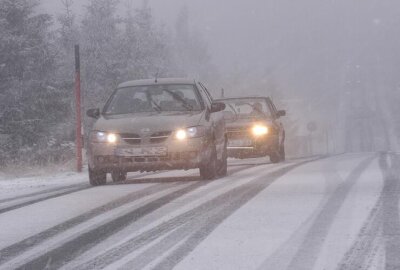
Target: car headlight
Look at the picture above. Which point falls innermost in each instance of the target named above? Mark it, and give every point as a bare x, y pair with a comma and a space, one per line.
192, 132
104, 137
260, 130
181, 134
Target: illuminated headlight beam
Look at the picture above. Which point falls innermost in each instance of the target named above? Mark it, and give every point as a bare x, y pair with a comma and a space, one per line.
260, 130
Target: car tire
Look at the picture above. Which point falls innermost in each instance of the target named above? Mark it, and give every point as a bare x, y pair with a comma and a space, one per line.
275, 157
282, 152
208, 168
275, 153
223, 164
118, 176
97, 178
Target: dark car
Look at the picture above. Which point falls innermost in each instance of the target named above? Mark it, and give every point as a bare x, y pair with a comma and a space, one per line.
152, 125
254, 129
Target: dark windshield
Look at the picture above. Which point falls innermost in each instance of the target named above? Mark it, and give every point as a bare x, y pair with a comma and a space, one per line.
246, 109
153, 98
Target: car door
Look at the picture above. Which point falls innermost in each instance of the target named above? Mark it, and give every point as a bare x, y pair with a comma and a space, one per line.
218, 122
278, 124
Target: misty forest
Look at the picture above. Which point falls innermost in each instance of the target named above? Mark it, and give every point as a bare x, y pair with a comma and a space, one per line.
333, 65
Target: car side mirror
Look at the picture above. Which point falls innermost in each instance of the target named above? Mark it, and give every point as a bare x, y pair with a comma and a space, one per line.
93, 113
217, 107
281, 113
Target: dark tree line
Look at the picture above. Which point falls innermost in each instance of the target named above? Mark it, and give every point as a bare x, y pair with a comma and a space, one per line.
37, 68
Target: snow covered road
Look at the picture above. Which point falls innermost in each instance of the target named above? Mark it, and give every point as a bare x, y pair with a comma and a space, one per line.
340, 212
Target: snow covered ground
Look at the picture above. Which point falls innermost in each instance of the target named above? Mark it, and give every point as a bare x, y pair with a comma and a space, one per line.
340, 212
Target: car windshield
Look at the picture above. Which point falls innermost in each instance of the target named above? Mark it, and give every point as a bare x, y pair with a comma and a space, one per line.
153, 98
246, 109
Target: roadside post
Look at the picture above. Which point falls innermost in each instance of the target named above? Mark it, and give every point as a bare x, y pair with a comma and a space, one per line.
78, 134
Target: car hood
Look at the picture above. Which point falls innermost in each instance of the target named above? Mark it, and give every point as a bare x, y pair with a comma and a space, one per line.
245, 123
148, 122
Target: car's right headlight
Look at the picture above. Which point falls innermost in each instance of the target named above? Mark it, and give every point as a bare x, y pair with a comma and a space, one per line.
260, 130
104, 137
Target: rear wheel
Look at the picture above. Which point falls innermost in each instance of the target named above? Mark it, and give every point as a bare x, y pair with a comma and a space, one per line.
208, 168
97, 178
118, 176
275, 157
282, 152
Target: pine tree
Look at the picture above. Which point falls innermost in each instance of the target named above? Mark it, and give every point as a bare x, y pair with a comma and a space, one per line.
101, 50
191, 52
30, 102
146, 45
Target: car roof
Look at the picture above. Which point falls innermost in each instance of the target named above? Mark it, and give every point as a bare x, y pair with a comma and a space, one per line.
157, 81
248, 97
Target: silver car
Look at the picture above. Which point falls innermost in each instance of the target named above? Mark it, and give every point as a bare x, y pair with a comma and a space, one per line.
151, 125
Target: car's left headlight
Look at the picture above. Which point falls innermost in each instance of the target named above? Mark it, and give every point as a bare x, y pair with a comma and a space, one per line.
104, 137
187, 133
260, 130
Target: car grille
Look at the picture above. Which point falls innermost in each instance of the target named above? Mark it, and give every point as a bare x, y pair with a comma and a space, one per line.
133, 139
160, 137
238, 133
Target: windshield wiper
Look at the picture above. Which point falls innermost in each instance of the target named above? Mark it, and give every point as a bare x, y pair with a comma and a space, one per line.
156, 106
256, 109
153, 103
180, 99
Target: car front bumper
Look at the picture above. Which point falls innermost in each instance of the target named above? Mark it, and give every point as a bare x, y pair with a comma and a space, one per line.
248, 146
178, 155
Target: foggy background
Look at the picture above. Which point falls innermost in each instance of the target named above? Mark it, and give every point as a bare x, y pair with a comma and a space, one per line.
334, 63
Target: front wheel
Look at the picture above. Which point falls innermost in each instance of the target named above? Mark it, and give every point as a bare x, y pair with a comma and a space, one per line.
208, 168
223, 164
278, 154
118, 176
97, 178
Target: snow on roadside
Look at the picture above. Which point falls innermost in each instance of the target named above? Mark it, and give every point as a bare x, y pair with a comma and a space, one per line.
12, 186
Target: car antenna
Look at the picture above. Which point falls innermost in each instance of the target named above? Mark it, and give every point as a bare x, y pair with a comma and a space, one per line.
156, 79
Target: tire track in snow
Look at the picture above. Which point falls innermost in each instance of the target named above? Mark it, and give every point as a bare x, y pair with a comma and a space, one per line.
215, 186
179, 233
382, 225
42, 192
308, 251
227, 202
57, 257
55, 192
61, 192
280, 259
391, 215
17, 248
233, 203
